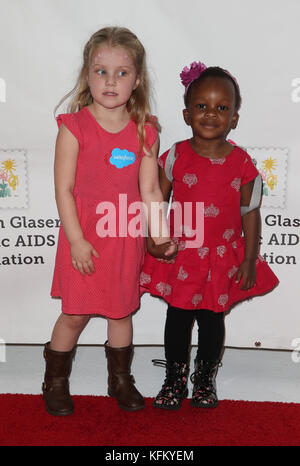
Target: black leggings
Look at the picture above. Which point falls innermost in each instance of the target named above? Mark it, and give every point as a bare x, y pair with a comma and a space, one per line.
178, 328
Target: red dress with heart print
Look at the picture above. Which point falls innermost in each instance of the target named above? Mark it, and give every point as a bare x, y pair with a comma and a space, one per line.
203, 277
107, 167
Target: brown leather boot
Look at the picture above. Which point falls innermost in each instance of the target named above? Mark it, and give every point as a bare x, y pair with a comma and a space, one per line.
120, 382
56, 395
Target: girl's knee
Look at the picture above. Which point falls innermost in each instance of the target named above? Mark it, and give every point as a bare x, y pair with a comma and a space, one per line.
120, 322
76, 321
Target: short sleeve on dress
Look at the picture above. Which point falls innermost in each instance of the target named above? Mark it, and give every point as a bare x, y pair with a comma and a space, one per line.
70, 121
151, 133
249, 171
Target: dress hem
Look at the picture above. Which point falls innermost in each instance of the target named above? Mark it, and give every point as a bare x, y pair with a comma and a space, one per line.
74, 311
209, 308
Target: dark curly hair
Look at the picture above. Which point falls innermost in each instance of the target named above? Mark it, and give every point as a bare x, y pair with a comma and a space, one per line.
216, 72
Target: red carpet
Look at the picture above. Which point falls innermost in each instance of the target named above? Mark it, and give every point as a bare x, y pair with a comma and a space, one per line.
98, 421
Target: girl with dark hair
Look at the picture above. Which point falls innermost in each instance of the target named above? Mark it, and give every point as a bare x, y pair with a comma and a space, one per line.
206, 280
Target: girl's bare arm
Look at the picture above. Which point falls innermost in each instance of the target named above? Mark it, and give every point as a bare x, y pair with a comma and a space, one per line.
66, 154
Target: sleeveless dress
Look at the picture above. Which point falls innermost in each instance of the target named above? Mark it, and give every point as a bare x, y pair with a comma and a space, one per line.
203, 277
107, 167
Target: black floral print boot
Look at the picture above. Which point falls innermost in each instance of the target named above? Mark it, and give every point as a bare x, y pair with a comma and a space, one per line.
204, 380
174, 389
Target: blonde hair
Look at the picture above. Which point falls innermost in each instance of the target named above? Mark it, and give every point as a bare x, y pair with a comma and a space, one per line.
138, 105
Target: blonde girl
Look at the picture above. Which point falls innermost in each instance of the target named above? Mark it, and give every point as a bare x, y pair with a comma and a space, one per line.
106, 151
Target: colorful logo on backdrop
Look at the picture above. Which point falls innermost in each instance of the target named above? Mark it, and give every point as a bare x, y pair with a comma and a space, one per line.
271, 162
122, 158
13, 178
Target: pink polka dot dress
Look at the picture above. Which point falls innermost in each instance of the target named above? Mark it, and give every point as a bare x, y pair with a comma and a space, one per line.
108, 165
204, 277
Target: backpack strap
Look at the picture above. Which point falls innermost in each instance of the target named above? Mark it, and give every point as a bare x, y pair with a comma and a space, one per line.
255, 196
170, 160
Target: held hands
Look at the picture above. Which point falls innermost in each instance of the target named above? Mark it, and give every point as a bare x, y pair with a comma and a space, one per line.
165, 252
81, 256
246, 273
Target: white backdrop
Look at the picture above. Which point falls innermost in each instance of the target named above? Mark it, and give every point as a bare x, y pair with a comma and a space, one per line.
41, 46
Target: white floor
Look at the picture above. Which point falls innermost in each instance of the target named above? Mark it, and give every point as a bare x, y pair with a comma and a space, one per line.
246, 374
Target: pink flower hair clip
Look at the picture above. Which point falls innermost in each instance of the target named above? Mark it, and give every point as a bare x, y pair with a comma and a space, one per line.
188, 75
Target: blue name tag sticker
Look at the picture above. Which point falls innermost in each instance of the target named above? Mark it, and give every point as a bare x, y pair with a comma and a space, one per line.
122, 158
